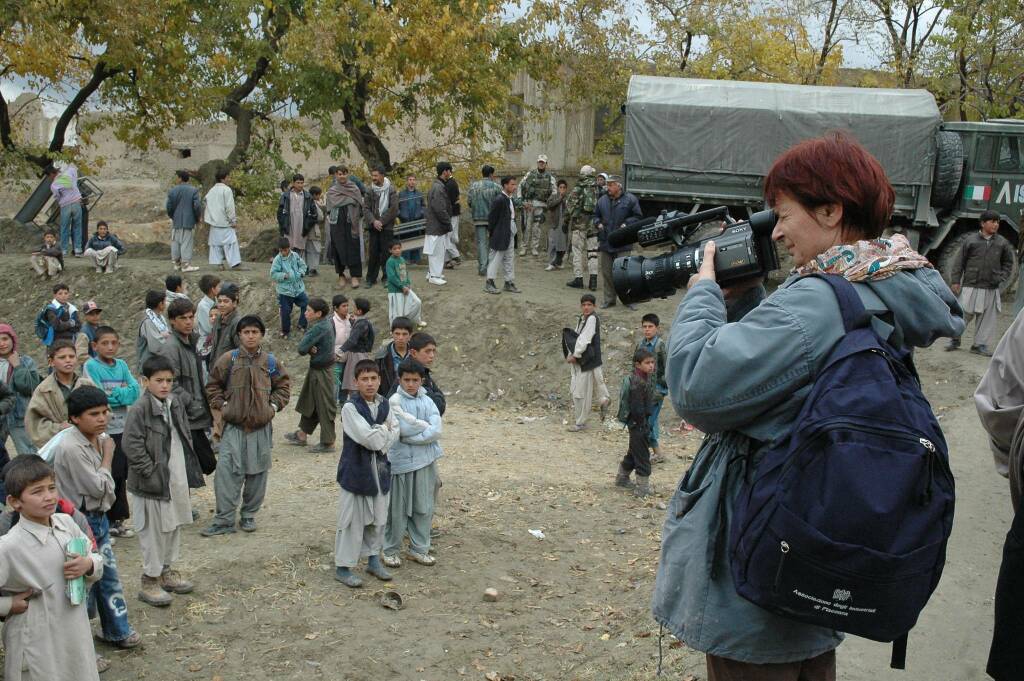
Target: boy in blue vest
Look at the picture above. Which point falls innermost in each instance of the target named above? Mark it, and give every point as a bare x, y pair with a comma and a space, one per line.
653, 343
369, 430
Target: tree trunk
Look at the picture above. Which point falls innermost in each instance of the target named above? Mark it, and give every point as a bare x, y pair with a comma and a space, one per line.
365, 138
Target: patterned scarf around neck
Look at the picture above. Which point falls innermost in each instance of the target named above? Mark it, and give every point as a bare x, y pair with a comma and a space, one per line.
867, 260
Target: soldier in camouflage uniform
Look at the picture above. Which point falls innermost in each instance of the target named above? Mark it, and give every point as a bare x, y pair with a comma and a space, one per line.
535, 190
579, 214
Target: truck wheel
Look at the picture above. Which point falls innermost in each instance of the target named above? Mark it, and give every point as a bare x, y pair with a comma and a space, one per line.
949, 167
951, 250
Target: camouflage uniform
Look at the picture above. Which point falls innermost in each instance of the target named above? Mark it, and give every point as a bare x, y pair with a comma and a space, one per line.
535, 189
581, 224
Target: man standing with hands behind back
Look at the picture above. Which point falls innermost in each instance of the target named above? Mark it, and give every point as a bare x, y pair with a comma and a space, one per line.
615, 210
383, 210
984, 263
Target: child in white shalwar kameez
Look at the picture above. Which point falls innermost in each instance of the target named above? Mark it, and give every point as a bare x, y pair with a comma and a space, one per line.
369, 430
46, 638
157, 443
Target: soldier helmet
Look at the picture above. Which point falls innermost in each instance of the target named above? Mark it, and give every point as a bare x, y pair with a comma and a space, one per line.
587, 170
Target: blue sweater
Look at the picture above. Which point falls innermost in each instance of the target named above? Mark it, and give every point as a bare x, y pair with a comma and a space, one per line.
120, 386
417, 447
288, 273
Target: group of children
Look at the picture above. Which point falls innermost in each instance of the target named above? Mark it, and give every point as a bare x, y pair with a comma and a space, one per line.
99, 444
640, 397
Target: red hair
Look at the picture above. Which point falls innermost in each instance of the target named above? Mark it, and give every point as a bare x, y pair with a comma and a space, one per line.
834, 168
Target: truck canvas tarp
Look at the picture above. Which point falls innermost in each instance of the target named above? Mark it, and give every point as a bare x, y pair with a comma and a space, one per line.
688, 126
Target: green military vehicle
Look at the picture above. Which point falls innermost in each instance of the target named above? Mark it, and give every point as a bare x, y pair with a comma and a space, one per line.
693, 144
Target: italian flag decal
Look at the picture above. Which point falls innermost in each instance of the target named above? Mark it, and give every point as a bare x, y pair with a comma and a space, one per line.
979, 193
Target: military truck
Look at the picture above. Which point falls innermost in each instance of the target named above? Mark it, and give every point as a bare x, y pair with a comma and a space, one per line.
693, 144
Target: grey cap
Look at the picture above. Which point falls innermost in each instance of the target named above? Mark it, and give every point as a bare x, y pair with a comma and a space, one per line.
615, 178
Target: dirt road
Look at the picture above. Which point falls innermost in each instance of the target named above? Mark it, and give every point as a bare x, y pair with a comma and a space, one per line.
574, 605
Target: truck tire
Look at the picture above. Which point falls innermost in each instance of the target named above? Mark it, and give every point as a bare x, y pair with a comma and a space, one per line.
951, 249
949, 168
948, 253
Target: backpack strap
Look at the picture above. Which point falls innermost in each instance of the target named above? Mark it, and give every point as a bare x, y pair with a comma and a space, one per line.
850, 305
899, 653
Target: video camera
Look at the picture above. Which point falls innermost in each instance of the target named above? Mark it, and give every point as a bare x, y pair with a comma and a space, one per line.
742, 250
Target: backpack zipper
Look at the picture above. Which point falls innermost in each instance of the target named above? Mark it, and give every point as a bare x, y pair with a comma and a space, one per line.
784, 549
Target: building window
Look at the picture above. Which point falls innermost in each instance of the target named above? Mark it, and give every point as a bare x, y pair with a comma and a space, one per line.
514, 130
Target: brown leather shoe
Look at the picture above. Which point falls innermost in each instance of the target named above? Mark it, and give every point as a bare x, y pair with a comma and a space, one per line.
171, 580
152, 594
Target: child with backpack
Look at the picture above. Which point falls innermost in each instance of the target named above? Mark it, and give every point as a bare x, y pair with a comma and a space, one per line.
258, 388
114, 378
54, 640
59, 319
636, 403
317, 403
369, 429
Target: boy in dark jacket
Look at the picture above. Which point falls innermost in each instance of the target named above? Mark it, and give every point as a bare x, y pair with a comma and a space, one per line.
158, 444
48, 259
391, 355
259, 388
636, 403
61, 316
317, 403
189, 390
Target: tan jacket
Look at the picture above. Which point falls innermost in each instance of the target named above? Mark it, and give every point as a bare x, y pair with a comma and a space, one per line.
248, 389
47, 409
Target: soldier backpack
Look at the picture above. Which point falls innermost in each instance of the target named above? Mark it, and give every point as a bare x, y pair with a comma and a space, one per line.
843, 523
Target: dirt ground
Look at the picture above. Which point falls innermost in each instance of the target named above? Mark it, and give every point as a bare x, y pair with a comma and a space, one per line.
574, 605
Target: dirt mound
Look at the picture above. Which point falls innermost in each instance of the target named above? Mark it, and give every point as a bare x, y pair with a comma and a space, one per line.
262, 248
18, 238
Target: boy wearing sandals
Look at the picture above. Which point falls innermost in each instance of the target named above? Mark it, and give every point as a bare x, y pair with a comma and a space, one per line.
413, 467
369, 430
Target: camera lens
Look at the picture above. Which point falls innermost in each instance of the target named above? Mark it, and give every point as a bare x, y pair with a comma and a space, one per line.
638, 279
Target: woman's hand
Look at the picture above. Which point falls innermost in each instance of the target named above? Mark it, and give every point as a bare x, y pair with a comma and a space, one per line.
707, 265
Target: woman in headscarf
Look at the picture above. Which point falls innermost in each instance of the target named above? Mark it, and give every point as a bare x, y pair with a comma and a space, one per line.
346, 214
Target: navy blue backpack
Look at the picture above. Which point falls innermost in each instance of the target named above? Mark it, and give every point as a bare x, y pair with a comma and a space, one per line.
844, 523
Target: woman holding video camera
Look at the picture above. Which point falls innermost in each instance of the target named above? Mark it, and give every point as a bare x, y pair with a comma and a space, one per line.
740, 366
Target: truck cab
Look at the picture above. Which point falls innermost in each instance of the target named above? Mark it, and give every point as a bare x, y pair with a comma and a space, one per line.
692, 144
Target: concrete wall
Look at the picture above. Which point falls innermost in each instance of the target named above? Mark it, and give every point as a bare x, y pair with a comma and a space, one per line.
565, 136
